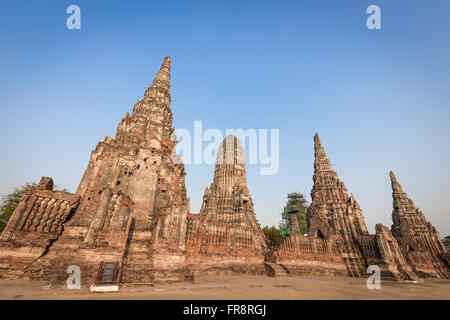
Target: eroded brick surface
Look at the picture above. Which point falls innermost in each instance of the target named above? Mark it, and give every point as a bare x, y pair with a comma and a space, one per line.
418, 239
226, 235
131, 206
35, 224
338, 241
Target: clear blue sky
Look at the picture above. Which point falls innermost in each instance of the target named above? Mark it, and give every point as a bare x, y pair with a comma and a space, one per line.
380, 100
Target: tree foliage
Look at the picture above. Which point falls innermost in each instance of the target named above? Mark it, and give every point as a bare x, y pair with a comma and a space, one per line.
297, 204
273, 235
446, 242
9, 202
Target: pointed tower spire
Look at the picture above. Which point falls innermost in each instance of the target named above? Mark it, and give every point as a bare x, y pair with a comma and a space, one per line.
230, 151
157, 96
327, 185
317, 139
230, 164
162, 79
330, 192
228, 206
403, 208
396, 187
321, 162
401, 201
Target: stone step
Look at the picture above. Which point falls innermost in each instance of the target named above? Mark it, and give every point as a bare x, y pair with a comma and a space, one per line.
137, 258
138, 238
138, 244
137, 280
137, 253
136, 273
139, 262
127, 264
408, 276
275, 270
138, 250
143, 266
142, 263
140, 275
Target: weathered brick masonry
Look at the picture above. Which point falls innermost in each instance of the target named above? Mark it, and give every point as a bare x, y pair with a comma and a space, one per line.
132, 207
35, 224
338, 242
225, 236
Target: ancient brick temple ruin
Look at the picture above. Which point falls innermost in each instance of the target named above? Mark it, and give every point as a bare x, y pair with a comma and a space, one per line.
131, 204
338, 242
35, 224
225, 235
417, 238
131, 207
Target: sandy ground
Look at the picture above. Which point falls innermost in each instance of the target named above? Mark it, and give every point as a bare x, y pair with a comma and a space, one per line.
239, 287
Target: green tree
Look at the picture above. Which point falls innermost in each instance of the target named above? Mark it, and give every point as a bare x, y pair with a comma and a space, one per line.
9, 202
446, 242
273, 235
297, 204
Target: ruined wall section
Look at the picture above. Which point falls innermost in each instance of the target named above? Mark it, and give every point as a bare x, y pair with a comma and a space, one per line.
34, 225
312, 255
382, 250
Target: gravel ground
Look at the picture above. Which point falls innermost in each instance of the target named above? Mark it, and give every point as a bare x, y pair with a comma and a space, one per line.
239, 287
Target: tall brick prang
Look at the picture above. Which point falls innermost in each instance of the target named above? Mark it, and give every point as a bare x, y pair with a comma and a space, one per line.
334, 212
226, 235
133, 200
418, 239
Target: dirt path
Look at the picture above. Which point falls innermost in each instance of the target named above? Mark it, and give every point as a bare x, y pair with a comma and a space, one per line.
240, 287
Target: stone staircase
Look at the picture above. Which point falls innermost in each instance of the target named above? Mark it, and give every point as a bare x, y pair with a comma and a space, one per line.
137, 265
275, 270
408, 276
137, 272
